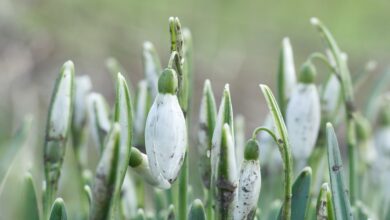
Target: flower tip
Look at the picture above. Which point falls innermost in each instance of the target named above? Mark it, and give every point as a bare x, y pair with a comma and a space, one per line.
197, 203
314, 21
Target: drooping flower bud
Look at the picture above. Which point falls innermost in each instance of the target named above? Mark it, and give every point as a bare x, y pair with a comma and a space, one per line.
303, 114
165, 131
248, 190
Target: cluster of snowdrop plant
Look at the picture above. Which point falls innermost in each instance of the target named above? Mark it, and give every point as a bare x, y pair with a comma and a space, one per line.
143, 143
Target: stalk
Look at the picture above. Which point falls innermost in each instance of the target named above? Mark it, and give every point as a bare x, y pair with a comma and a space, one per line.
348, 95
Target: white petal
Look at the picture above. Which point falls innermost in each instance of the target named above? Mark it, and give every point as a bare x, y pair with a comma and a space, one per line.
248, 189
166, 137
303, 120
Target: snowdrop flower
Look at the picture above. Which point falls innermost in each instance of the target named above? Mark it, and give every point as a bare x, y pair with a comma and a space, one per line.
165, 131
249, 183
303, 114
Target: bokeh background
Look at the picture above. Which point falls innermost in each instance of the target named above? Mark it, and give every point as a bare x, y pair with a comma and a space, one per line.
235, 42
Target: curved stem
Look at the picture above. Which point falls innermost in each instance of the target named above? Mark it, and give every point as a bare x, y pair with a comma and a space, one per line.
271, 133
321, 57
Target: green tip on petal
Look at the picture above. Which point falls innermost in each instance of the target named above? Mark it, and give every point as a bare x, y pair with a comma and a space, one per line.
135, 157
167, 83
307, 73
251, 150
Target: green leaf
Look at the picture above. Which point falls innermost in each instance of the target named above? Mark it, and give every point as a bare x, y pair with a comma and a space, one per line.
300, 194
197, 211
106, 175
8, 153
324, 208
226, 181
123, 116
207, 117
342, 206
284, 148
29, 201
185, 92
140, 215
57, 130
58, 211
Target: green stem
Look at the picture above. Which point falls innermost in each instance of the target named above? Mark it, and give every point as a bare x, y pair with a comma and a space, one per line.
182, 206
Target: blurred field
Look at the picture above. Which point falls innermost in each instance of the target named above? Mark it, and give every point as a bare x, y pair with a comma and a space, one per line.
236, 42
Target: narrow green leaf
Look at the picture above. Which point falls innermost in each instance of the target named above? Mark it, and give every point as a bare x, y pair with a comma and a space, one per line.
184, 94
58, 211
29, 201
226, 181
284, 148
8, 153
123, 116
106, 175
57, 130
342, 206
197, 211
141, 110
324, 208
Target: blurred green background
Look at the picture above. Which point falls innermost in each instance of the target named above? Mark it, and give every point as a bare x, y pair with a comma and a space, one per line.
235, 42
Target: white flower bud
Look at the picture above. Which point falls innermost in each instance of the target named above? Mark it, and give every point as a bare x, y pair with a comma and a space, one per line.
166, 131
303, 120
248, 190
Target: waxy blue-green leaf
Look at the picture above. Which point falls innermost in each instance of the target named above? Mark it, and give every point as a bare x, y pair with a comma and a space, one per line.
185, 91
58, 211
342, 207
152, 67
57, 130
123, 116
30, 208
197, 211
99, 122
140, 215
207, 117
300, 194
106, 175
284, 148
8, 153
